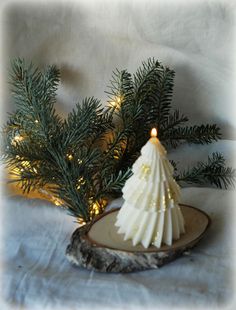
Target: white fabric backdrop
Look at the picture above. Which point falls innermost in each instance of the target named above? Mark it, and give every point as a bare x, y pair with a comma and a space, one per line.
88, 39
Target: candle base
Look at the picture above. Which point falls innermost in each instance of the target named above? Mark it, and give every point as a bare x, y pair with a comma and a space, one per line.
98, 246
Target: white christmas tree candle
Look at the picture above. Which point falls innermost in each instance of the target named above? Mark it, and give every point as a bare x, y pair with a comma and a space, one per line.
151, 212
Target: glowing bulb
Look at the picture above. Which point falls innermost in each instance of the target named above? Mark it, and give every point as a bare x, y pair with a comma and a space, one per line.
17, 139
154, 133
81, 181
81, 221
57, 202
36, 121
116, 103
96, 208
69, 156
116, 154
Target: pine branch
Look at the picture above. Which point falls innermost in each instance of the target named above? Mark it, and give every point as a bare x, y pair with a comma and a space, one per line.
174, 120
85, 124
154, 88
203, 134
113, 184
120, 90
34, 95
165, 83
145, 79
211, 172
128, 111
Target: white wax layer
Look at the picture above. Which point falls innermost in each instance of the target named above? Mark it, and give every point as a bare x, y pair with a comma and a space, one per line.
151, 213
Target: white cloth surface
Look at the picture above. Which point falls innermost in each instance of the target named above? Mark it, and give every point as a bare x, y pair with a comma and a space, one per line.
37, 275
88, 39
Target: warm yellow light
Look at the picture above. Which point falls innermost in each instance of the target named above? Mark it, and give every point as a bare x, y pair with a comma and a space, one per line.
36, 121
17, 139
96, 208
69, 156
116, 154
116, 103
81, 181
154, 133
57, 203
81, 221
25, 163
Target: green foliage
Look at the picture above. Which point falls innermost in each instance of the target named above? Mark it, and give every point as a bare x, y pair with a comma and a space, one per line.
212, 172
87, 157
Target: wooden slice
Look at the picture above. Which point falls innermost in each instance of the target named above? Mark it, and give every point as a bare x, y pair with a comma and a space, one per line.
97, 246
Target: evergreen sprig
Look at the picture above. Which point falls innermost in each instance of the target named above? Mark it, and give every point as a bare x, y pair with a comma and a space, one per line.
213, 172
86, 158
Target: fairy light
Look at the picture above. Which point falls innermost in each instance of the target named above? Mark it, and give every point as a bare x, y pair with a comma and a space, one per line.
80, 161
57, 202
17, 139
116, 154
97, 207
116, 103
36, 121
81, 221
81, 181
69, 156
